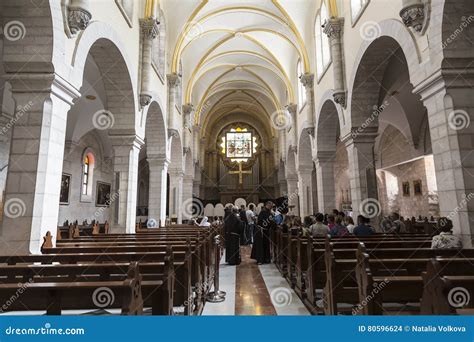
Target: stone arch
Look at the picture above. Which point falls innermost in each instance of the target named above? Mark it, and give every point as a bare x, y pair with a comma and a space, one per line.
371, 63
155, 131
328, 125
105, 46
176, 154
449, 32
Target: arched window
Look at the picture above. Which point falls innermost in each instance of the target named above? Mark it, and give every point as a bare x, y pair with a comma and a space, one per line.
357, 7
87, 174
323, 50
301, 88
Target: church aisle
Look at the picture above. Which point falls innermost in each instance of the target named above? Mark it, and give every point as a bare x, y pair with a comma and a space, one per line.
252, 296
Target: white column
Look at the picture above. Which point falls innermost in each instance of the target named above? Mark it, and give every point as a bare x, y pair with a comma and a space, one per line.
125, 164
324, 163
187, 206
33, 183
292, 186
176, 195
158, 191
363, 180
305, 191
450, 107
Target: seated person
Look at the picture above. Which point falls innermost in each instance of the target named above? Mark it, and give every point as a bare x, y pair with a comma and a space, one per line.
349, 223
331, 223
338, 230
363, 228
319, 229
445, 239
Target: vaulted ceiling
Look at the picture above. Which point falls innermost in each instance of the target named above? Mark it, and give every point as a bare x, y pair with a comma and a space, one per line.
238, 56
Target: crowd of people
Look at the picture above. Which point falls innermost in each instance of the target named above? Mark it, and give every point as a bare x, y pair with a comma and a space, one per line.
242, 226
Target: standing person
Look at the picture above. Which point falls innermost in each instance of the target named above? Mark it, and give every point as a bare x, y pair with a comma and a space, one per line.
261, 246
251, 217
244, 236
227, 214
233, 227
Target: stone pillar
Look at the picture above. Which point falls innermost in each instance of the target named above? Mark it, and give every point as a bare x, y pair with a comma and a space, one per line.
187, 134
176, 195
33, 183
125, 183
196, 145
187, 206
305, 192
333, 29
157, 192
363, 181
308, 82
173, 122
450, 107
324, 164
149, 31
292, 187
293, 112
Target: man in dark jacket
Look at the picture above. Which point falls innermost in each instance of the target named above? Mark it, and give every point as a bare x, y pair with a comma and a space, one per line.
265, 224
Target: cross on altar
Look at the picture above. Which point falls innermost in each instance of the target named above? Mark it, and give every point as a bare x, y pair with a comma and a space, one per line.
241, 174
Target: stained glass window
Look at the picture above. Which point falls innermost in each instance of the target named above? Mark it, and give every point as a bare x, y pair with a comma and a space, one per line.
239, 144
85, 175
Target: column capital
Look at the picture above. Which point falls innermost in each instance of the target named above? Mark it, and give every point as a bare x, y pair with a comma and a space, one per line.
120, 140
334, 27
158, 161
176, 173
292, 108
413, 14
188, 108
150, 27
360, 136
307, 80
324, 156
44, 83
173, 80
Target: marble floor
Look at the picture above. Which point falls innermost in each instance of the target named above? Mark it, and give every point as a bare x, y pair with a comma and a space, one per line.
254, 290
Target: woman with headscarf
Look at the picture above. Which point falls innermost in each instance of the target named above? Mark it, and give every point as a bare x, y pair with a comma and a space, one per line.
204, 222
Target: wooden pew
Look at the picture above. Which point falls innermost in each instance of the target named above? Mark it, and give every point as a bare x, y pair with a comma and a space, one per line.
447, 282
55, 296
399, 279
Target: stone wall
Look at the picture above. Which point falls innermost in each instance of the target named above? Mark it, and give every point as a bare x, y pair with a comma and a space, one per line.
82, 209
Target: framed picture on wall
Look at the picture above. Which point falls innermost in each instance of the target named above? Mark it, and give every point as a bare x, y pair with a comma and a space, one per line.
103, 194
417, 189
406, 188
65, 189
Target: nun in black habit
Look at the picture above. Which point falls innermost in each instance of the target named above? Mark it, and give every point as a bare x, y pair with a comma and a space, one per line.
232, 228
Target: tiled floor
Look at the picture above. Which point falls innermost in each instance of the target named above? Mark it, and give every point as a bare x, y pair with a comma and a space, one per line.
255, 291
252, 296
